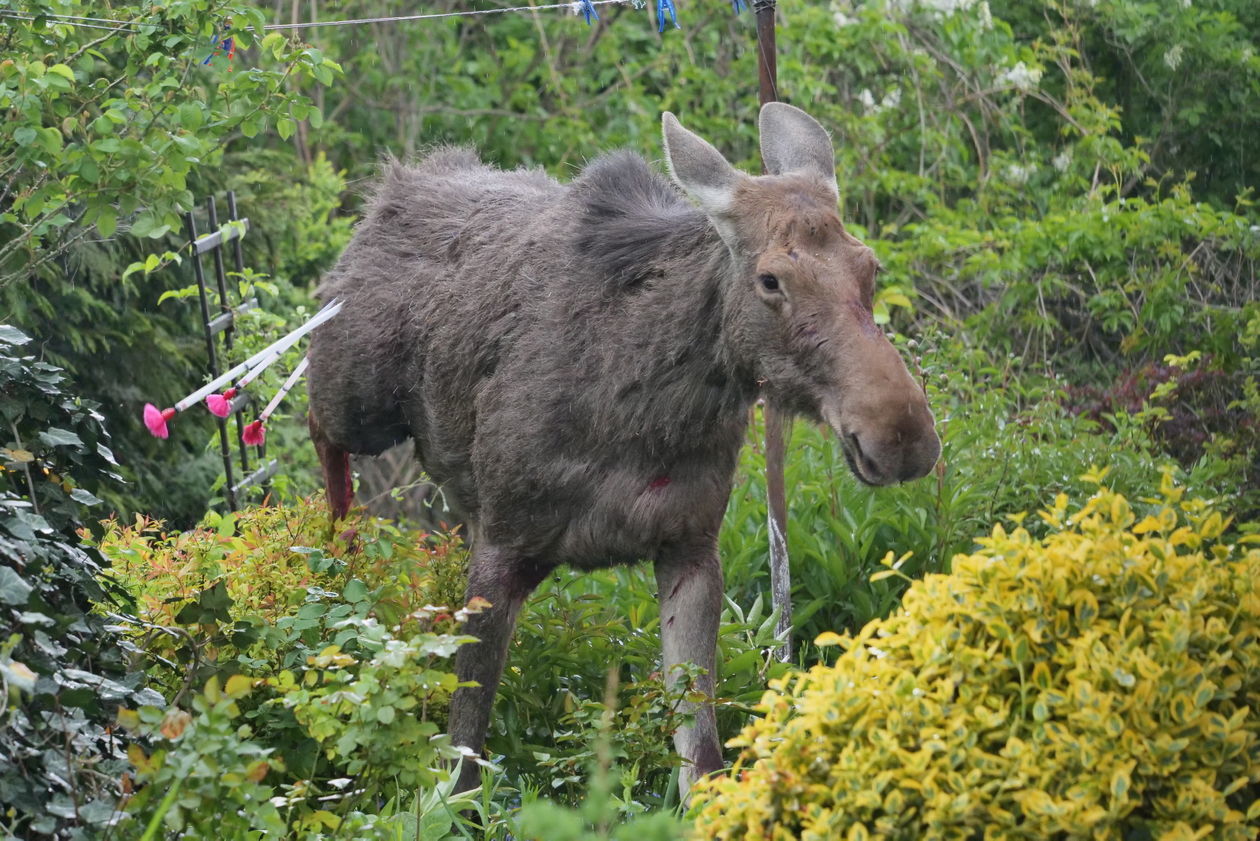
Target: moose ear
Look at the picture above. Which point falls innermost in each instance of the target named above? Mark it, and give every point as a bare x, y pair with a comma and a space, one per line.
702, 172
793, 141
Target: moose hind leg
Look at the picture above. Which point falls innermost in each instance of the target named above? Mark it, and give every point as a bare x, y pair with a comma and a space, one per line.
689, 588
335, 461
504, 580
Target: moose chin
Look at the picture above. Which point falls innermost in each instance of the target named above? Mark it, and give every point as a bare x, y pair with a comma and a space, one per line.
575, 364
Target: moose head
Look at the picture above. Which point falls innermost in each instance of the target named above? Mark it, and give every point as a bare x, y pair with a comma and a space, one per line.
799, 308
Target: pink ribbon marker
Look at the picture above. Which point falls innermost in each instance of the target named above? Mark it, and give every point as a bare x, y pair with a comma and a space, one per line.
254, 434
155, 419
220, 404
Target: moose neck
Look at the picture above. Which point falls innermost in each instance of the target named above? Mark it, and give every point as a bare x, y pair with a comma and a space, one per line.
653, 295
690, 386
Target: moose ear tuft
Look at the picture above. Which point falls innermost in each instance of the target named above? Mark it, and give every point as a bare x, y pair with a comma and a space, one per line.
793, 141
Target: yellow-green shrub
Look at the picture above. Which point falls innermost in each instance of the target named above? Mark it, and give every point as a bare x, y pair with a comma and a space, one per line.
267, 556
1102, 682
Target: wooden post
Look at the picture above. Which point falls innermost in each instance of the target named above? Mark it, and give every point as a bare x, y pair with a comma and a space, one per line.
778, 424
766, 63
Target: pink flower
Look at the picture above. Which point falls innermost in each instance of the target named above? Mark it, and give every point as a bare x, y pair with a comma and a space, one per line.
254, 434
155, 419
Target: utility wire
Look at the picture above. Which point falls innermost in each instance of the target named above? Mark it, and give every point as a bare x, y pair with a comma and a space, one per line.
126, 26
134, 26
571, 6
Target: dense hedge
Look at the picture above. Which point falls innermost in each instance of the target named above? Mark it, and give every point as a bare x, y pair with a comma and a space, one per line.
1099, 682
63, 672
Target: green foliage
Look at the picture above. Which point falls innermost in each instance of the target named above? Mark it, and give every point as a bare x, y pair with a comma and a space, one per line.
268, 585
553, 697
326, 665
99, 136
61, 670
1095, 682
602, 814
212, 757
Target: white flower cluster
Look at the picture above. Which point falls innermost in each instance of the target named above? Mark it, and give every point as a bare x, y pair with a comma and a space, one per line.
890, 100
1173, 56
1021, 76
1019, 174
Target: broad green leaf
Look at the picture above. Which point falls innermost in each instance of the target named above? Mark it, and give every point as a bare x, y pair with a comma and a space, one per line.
13, 589
55, 437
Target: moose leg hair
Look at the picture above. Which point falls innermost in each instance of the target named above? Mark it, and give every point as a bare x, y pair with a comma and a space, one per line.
689, 587
504, 580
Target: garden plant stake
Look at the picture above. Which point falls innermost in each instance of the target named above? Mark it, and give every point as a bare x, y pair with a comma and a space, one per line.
156, 419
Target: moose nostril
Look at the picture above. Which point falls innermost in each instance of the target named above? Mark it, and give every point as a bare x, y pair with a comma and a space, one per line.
870, 470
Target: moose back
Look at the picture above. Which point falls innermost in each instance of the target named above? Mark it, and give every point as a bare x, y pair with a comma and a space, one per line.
575, 364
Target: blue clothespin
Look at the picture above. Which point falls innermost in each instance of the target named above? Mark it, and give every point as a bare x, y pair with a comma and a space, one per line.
227, 44
739, 5
664, 7
214, 46
587, 9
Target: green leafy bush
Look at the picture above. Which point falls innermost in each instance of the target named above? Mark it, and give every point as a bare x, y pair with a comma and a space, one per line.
62, 670
553, 698
326, 664
217, 772
264, 567
1098, 682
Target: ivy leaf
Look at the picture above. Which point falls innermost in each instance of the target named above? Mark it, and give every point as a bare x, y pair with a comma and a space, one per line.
13, 590
55, 437
12, 335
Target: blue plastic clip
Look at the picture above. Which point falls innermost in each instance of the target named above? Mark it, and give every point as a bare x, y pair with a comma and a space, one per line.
588, 10
664, 7
739, 5
227, 44
214, 46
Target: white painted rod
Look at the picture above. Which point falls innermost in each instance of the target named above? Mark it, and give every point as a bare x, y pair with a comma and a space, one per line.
261, 359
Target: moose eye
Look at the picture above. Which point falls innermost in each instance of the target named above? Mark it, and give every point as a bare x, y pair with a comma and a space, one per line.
769, 282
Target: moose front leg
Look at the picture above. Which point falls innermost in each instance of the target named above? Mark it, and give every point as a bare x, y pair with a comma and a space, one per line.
690, 593
504, 580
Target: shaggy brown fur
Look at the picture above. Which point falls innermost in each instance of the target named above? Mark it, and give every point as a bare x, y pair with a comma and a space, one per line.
576, 363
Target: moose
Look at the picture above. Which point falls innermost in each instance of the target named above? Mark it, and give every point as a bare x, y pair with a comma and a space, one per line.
576, 364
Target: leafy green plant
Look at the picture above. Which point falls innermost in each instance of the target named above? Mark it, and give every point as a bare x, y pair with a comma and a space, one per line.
603, 813
259, 568
1094, 682
553, 697
96, 137
333, 655
62, 673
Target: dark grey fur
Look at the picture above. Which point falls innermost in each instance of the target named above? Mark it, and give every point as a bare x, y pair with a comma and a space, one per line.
545, 393
576, 364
